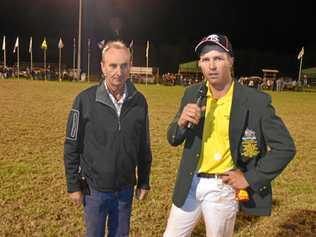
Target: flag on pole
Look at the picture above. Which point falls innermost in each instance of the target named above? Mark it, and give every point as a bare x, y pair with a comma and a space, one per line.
31, 45
89, 44
147, 49
3, 43
131, 44
300, 54
31, 54
16, 45
131, 50
60, 44
101, 44
44, 44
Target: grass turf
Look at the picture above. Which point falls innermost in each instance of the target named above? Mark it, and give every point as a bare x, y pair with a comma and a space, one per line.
33, 198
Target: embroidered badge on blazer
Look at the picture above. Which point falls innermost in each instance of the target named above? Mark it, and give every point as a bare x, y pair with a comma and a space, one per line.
249, 144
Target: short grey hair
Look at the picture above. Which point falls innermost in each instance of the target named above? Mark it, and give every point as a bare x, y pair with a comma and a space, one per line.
117, 44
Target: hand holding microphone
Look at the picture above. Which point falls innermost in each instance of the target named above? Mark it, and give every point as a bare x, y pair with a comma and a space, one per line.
191, 113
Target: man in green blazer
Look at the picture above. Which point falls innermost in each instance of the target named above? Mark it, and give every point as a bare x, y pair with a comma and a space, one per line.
233, 141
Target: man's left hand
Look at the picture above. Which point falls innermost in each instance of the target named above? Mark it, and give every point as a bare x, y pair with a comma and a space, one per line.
236, 179
140, 194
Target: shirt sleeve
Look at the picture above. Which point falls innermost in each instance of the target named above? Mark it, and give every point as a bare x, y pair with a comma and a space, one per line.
145, 159
175, 133
73, 146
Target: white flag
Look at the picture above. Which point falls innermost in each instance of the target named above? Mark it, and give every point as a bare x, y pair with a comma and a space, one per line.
16, 45
3, 43
31, 45
147, 49
301, 53
60, 44
101, 44
131, 44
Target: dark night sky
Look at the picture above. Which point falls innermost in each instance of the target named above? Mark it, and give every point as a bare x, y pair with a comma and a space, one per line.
274, 30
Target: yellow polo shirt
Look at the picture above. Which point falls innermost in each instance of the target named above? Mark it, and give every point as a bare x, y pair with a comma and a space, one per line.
215, 151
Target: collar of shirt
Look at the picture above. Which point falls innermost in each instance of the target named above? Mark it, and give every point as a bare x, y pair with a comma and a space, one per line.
223, 99
117, 104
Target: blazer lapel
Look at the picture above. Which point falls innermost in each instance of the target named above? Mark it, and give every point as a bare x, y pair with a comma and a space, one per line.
204, 104
238, 116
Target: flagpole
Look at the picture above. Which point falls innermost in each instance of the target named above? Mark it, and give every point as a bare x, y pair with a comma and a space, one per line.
300, 56
31, 55
299, 75
89, 55
131, 48
31, 62
74, 60
5, 58
147, 54
132, 56
44, 47
4, 53
147, 69
45, 64
59, 68
18, 59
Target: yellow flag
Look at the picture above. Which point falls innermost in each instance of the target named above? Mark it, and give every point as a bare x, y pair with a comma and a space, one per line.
44, 44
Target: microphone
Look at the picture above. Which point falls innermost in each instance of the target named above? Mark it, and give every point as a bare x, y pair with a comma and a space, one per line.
201, 94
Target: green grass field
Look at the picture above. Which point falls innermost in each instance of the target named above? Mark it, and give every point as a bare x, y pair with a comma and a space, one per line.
33, 198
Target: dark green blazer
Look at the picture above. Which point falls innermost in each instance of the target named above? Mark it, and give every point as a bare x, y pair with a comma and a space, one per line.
261, 146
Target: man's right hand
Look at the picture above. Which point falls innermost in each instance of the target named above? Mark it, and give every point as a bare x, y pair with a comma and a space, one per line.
76, 197
191, 113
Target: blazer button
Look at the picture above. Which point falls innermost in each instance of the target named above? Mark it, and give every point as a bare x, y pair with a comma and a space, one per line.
191, 173
197, 155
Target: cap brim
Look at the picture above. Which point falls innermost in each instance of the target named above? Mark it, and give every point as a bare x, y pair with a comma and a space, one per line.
208, 42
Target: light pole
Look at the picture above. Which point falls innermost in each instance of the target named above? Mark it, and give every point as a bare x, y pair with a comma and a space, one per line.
79, 41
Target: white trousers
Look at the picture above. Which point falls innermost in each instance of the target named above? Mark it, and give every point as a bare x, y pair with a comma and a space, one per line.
212, 199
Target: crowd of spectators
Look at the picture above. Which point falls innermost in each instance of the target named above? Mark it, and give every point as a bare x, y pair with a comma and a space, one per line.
170, 79
279, 84
37, 73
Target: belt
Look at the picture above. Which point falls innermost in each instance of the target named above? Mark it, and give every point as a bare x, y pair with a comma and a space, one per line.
209, 176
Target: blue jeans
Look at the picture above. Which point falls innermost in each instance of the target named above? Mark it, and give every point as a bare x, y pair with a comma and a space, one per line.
114, 206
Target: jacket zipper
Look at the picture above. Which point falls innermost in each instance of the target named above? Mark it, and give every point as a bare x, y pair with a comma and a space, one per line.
118, 117
119, 122
124, 112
